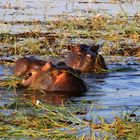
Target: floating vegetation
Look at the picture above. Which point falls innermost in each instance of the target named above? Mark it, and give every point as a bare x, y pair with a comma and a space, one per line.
11, 82
49, 121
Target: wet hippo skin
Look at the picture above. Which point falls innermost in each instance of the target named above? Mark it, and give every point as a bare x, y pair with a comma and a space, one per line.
26, 65
85, 58
56, 77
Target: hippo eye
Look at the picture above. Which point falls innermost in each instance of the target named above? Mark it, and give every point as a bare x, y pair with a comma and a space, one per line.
59, 73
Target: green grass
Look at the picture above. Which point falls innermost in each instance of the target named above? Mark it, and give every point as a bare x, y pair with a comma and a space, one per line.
60, 122
114, 31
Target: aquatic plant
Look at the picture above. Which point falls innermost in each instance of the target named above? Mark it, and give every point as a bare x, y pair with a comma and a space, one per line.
114, 33
49, 121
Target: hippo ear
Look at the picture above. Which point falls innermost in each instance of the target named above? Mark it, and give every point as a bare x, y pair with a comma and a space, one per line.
77, 48
70, 47
73, 48
95, 47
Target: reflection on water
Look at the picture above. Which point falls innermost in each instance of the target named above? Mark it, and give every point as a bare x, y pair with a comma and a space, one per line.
109, 93
56, 98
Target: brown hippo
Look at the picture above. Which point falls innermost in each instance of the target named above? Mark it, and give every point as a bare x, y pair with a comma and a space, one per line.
25, 65
85, 58
56, 77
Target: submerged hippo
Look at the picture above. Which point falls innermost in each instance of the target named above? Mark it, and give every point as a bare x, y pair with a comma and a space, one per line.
56, 77
25, 65
85, 58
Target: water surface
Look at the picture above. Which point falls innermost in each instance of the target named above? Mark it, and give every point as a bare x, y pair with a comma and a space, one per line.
14, 11
109, 94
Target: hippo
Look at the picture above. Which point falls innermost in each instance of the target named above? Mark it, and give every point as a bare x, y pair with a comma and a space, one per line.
56, 77
25, 65
85, 58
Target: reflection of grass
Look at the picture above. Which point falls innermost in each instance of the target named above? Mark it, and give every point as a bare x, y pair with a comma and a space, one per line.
57, 122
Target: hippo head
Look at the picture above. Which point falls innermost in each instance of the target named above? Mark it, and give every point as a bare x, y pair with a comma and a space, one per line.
56, 77
25, 65
85, 58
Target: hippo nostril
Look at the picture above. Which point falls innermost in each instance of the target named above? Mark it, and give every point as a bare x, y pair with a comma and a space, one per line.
88, 55
27, 76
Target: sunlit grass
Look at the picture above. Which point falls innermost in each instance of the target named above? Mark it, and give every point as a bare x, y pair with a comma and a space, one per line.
49, 121
27, 46
11, 82
115, 31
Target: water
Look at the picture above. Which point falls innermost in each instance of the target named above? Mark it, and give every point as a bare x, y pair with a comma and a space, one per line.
44, 10
110, 94
114, 93
112, 90
13, 11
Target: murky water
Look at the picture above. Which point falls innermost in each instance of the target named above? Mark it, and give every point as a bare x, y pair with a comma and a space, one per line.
109, 93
